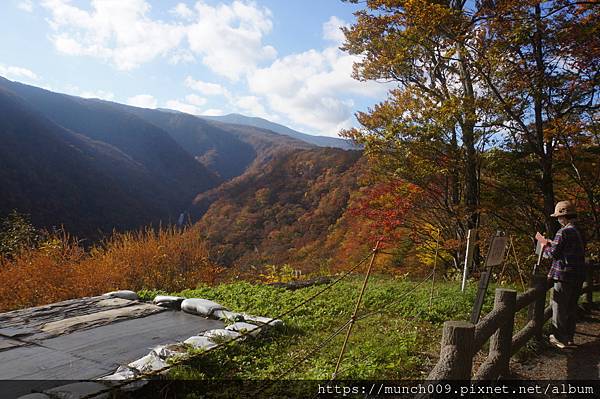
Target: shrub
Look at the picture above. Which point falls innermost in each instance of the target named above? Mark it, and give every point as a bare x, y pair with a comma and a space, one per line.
60, 268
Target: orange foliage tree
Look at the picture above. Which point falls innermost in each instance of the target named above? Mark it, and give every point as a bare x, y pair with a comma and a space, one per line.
487, 96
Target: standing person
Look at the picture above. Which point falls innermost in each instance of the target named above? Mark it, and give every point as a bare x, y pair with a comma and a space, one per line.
567, 251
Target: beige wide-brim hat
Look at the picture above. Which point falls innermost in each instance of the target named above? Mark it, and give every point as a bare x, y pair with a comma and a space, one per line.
564, 208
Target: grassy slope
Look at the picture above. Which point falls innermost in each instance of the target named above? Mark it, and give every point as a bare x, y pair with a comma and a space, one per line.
399, 343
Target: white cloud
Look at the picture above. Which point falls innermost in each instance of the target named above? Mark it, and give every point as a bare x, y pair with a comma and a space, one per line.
183, 11
118, 31
213, 112
227, 38
191, 104
100, 94
314, 88
77, 91
143, 101
17, 73
182, 56
183, 107
250, 104
195, 100
332, 31
25, 5
206, 88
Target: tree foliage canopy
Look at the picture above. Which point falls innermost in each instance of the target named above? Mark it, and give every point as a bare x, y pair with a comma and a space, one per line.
495, 111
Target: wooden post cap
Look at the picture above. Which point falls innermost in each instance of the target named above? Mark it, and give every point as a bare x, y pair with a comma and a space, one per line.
458, 324
458, 333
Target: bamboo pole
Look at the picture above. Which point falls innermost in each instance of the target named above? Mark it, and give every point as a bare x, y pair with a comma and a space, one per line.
356, 308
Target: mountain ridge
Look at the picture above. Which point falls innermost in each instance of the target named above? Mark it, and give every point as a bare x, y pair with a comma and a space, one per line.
321, 141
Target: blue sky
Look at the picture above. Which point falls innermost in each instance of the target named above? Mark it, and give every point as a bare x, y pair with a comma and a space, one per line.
277, 59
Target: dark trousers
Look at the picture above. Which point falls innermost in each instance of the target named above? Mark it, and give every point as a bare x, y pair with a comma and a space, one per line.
564, 309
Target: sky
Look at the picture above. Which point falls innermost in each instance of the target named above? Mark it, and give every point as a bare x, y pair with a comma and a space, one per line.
275, 59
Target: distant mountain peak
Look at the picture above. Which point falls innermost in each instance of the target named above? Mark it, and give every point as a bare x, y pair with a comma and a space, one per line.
321, 141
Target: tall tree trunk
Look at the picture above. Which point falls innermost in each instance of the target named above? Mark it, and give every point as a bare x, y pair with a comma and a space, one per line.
468, 137
545, 147
455, 174
547, 188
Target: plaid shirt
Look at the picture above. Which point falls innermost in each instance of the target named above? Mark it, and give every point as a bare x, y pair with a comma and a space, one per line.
567, 251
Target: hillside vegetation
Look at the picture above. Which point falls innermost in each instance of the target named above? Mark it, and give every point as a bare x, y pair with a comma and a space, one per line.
278, 213
38, 268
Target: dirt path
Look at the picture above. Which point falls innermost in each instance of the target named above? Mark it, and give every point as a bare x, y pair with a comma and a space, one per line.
579, 363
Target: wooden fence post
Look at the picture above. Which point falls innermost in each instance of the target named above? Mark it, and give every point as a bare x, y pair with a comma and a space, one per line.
501, 341
456, 353
536, 309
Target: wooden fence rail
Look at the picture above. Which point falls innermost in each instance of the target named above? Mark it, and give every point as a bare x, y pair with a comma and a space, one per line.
462, 340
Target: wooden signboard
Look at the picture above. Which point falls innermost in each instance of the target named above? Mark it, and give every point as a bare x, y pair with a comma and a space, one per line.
496, 252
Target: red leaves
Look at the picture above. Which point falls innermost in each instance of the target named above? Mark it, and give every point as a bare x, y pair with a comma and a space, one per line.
384, 205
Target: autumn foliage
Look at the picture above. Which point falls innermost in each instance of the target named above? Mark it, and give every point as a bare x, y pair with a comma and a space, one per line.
494, 115
384, 207
61, 268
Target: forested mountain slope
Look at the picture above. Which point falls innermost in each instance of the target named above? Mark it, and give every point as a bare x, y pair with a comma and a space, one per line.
111, 170
60, 177
279, 213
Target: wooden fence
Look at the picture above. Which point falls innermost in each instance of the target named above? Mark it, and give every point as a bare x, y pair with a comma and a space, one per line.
462, 340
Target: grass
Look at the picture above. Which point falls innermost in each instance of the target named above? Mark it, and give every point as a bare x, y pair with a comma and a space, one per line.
400, 342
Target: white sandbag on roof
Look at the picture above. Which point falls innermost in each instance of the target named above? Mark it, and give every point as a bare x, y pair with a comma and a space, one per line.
122, 373
167, 351
200, 342
157, 358
123, 294
168, 301
202, 307
150, 362
125, 373
78, 390
262, 320
244, 328
221, 335
227, 315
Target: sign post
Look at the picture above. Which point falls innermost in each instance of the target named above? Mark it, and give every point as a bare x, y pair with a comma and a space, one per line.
468, 257
495, 257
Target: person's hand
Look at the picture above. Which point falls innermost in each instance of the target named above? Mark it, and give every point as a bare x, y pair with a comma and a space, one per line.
541, 239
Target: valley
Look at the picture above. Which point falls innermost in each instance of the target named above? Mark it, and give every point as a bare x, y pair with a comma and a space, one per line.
93, 167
